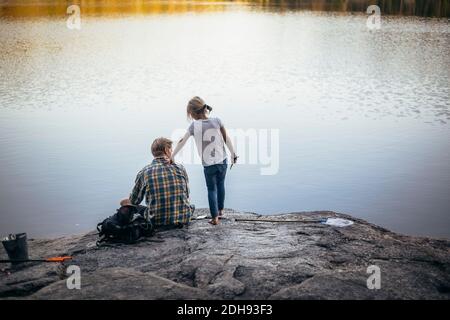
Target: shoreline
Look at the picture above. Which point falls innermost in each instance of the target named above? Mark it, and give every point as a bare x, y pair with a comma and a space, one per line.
242, 260
206, 211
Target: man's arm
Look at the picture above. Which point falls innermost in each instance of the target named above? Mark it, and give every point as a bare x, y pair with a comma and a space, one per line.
186, 179
138, 192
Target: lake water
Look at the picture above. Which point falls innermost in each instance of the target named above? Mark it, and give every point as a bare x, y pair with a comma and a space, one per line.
363, 115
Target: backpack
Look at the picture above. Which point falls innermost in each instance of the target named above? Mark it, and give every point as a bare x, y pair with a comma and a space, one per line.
128, 225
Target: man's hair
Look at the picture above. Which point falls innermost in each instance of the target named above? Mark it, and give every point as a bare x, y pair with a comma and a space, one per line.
159, 146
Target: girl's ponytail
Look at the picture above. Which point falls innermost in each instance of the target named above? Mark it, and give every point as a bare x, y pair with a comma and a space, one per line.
196, 108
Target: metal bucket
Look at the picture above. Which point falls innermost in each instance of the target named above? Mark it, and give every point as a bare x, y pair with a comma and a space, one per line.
16, 247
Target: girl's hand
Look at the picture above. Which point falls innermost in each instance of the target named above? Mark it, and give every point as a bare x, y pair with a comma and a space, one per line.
233, 161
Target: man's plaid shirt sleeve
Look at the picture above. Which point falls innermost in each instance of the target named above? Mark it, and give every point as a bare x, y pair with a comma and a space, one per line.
186, 178
138, 192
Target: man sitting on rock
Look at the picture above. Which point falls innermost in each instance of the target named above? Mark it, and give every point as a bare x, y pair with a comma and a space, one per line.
165, 186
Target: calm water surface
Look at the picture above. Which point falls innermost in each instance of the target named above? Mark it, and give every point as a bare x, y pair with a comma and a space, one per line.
363, 116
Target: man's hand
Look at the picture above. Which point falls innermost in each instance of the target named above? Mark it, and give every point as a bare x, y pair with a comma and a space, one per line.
125, 202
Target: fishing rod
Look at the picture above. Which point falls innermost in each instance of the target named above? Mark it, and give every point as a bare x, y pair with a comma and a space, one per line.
52, 259
266, 220
280, 221
234, 161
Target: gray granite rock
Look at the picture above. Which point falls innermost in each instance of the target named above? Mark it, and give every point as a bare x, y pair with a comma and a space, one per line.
241, 260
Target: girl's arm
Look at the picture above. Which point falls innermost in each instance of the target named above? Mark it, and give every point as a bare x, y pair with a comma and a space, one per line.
180, 144
229, 144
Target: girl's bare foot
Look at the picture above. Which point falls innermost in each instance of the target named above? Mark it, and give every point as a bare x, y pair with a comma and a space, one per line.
220, 214
214, 221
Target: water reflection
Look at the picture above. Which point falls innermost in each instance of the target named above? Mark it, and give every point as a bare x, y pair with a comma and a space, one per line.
38, 8
363, 116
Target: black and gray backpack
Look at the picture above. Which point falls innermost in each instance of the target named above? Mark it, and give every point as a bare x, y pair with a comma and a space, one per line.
128, 225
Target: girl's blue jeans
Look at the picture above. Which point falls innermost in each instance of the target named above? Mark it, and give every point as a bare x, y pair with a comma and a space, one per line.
215, 182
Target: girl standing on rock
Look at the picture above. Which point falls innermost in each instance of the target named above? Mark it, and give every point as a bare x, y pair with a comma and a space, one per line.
210, 138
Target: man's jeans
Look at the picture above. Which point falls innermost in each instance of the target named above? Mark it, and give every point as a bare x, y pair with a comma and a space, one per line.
215, 182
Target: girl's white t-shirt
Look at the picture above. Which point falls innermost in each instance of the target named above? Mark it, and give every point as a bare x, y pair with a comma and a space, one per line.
209, 140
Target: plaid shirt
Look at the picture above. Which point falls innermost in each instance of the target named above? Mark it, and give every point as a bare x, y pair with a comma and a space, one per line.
166, 191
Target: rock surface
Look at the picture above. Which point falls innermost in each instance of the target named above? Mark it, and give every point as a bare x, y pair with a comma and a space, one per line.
241, 260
